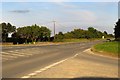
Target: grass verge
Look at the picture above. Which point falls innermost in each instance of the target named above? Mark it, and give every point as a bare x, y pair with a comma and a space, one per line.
75, 40
80, 40
64, 41
108, 48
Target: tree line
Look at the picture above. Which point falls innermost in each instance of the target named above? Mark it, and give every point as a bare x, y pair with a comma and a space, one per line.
24, 34
80, 33
36, 33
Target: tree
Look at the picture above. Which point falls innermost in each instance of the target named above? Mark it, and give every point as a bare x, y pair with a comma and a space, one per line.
105, 32
10, 28
92, 32
117, 30
100, 34
91, 29
68, 35
6, 29
44, 31
77, 33
0, 32
59, 36
34, 33
111, 35
44, 34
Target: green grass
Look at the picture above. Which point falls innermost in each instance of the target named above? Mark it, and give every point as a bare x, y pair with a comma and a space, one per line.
111, 48
75, 40
79, 40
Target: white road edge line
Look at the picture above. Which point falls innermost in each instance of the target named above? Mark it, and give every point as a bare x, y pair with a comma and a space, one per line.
54, 64
43, 69
48, 67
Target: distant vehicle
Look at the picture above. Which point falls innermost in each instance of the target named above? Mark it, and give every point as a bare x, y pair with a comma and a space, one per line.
108, 40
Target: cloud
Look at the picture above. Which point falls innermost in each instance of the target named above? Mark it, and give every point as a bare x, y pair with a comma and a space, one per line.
20, 11
65, 5
82, 16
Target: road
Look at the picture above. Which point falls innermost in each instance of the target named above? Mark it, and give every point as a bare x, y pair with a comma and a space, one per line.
22, 60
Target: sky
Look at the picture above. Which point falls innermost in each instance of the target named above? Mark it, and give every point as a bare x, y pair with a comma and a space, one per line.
68, 15
60, 0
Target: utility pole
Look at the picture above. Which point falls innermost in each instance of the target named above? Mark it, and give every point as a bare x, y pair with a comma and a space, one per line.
54, 29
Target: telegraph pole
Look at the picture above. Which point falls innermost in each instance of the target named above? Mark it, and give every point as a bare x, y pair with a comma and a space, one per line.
54, 28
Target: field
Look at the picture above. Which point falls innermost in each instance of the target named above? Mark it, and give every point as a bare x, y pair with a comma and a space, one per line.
75, 40
80, 40
108, 48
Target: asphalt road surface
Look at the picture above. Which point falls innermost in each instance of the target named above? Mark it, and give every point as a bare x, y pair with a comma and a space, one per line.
18, 61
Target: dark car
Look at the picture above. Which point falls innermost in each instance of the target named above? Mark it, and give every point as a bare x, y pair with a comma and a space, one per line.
108, 40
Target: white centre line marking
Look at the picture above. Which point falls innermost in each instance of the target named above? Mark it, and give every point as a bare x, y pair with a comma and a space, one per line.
16, 50
8, 56
22, 54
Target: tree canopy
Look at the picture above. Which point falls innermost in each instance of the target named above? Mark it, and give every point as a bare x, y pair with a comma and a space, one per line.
80, 33
59, 36
33, 32
117, 30
6, 28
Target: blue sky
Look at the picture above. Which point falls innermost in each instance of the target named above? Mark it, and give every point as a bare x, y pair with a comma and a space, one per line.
68, 15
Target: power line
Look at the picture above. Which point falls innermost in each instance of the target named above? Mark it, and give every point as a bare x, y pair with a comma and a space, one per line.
61, 24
